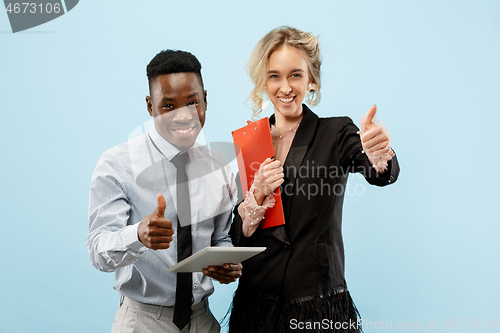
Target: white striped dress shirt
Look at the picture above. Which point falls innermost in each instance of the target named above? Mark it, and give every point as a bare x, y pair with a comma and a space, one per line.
123, 192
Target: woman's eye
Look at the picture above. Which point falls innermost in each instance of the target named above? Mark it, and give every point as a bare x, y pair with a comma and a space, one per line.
295, 75
274, 76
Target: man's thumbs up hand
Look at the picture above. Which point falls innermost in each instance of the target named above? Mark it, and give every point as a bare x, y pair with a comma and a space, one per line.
160, 208
155, 231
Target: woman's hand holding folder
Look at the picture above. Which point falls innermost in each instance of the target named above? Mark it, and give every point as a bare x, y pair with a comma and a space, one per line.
267, 179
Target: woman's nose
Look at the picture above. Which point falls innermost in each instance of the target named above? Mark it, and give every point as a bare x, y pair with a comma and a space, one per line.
286, 88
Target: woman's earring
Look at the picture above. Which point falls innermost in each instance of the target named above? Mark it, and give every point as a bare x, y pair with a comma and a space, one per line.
312, 89
265, 104
308, 97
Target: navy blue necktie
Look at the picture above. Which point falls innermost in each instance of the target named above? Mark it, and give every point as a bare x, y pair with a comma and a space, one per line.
183, 291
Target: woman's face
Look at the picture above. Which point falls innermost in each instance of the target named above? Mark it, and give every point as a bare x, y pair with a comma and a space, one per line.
287, 80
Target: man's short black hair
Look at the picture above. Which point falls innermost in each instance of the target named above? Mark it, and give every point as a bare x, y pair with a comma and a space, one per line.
173, 61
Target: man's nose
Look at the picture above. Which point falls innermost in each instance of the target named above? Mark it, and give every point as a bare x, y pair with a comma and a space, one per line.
184, 114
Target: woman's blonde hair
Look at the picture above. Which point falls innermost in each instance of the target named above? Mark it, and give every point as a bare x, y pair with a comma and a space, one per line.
275, 39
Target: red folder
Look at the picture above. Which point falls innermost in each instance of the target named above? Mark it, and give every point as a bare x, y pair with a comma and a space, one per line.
253, 144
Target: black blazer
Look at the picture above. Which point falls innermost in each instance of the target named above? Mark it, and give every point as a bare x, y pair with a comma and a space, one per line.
305, 257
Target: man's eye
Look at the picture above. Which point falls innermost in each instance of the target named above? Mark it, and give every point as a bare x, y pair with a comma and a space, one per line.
193, 103
167, 106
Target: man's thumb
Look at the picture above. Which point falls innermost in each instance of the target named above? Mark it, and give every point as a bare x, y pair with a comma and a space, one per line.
369, 116
160, 208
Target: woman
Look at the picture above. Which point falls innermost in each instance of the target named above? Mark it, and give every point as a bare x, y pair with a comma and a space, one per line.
298, 282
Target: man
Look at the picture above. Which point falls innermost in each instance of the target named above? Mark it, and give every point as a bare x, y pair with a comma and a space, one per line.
157, 199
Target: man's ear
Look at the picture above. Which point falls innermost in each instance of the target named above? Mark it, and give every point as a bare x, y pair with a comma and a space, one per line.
205, 99
149, 105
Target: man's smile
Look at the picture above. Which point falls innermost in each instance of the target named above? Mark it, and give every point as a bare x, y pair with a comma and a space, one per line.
184, 132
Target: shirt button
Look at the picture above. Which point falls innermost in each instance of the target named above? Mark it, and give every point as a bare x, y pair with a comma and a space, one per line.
195, 286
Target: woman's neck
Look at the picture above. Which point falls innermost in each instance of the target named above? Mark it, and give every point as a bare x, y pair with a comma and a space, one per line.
283, 123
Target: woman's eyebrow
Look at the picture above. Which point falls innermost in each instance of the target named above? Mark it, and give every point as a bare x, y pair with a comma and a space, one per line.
294, 70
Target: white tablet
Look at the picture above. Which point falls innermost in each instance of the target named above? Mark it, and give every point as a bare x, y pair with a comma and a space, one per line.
215, 256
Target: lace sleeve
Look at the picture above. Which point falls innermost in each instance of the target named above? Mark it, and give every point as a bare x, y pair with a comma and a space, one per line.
251, 213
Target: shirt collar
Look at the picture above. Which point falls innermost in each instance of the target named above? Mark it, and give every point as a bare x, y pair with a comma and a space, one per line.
165, 147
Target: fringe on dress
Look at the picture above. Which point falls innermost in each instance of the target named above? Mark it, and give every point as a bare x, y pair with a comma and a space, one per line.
257, 313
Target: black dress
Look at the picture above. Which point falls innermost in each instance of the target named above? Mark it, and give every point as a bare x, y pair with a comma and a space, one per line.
298, 281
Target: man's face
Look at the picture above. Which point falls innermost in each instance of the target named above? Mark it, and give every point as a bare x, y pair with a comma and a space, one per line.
178, 104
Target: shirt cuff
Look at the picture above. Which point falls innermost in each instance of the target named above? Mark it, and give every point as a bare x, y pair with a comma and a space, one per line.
132, 239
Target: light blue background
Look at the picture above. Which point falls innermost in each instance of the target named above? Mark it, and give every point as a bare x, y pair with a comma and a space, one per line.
424, 249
